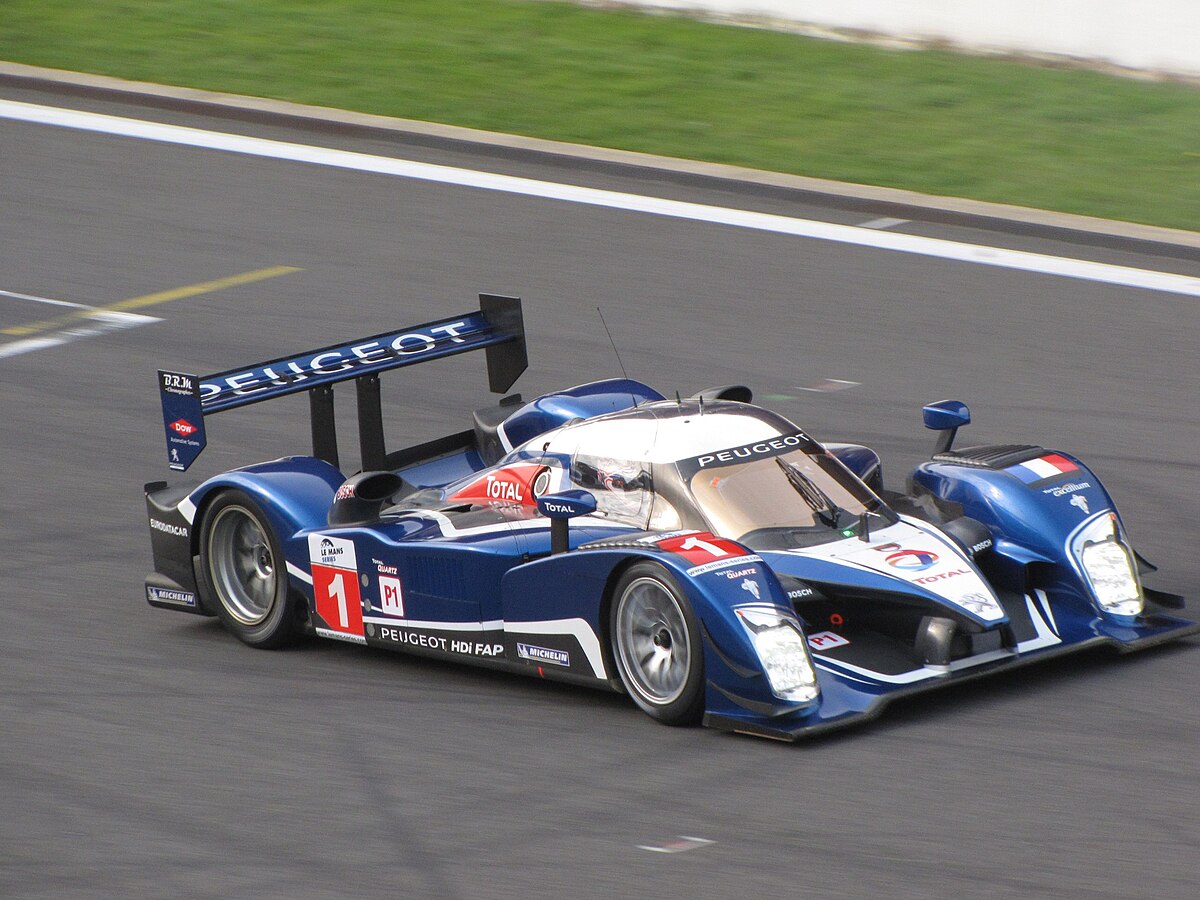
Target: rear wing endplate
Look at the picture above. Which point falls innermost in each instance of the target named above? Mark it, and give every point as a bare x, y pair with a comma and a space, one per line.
497, 327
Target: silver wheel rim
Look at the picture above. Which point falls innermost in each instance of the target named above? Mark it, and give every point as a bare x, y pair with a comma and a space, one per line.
241, 565
652, 642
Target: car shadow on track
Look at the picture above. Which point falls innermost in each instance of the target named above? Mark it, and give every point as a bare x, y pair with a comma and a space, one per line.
1035, 685
1093, 668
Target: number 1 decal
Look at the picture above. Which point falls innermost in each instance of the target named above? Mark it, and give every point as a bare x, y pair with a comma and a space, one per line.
692, 544
337, 591
701, 547
335, 586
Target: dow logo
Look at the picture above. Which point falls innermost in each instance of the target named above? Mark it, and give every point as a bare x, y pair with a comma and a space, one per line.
912, 560
183, 427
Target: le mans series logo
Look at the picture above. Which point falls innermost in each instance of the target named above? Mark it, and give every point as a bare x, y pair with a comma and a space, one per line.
335, 586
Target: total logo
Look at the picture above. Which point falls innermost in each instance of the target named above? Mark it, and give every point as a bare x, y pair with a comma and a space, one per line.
912, 560
183, 427
499, 489
510, 485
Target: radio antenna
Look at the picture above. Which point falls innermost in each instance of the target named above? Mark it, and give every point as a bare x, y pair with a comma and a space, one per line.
617, 354
614, 344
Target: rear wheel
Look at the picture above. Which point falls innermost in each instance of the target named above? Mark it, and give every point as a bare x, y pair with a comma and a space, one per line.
656, 645
244, 565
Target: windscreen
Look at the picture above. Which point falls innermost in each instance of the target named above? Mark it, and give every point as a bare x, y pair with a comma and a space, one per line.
782, 493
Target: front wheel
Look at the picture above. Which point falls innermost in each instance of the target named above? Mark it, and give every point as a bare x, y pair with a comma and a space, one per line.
656, 645
244, 565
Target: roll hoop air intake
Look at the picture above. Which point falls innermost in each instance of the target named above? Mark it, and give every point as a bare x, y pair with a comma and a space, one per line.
362, 497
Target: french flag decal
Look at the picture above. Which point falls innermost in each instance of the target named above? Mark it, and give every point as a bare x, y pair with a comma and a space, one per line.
1051, 465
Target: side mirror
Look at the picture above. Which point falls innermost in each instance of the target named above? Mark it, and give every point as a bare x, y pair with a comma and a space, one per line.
946, 416
558, 508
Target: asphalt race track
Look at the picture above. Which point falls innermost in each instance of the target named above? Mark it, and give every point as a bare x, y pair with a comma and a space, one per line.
144, 753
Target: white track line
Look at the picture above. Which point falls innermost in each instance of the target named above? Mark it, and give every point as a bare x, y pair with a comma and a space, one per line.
1065, 267
99, 322
47, 300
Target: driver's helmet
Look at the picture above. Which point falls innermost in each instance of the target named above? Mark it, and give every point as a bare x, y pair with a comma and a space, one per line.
621, 487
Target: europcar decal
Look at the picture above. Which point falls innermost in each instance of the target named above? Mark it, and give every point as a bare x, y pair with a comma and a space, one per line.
335, 586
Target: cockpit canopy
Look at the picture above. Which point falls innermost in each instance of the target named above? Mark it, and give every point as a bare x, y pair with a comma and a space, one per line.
737, 470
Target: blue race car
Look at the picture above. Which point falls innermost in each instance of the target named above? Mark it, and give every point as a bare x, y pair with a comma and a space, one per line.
704, 555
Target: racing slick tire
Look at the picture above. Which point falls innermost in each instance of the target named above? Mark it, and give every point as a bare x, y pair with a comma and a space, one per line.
656, 645
243, 565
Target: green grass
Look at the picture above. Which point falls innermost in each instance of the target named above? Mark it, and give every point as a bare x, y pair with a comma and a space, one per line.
1069, 140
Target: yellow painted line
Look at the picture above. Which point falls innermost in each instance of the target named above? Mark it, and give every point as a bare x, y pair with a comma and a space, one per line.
191, 290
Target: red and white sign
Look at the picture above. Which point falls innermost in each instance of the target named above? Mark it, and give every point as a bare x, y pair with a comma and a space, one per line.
335, 584
391, 597
701, 547
183, 427
826, 640
510, 485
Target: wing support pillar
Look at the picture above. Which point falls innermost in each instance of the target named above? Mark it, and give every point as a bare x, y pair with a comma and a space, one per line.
324, 430
370, 423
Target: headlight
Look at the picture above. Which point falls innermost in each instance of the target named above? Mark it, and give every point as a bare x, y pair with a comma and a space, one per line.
1108, 565
783, 653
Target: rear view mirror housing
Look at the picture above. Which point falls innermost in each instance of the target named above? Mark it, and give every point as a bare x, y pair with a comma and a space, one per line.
946, 416
560, 507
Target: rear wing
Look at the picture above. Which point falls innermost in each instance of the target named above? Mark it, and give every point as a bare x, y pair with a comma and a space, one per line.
497, 327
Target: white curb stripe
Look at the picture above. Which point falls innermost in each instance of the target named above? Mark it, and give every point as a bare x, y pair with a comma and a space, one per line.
1064, 267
